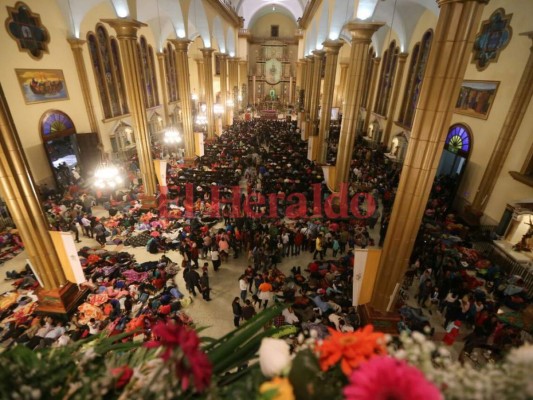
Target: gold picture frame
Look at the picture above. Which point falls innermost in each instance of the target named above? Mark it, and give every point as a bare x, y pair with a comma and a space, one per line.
476, 98
42, 85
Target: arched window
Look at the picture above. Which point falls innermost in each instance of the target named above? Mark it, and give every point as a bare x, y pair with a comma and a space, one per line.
458, 140
148, 77
107, 69
368, 75
417, 68
170, 73
386, 79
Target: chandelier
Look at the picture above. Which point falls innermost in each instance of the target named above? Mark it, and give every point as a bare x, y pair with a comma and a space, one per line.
107, 176
172, 136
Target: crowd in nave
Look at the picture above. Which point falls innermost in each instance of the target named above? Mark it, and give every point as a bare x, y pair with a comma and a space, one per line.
197, 241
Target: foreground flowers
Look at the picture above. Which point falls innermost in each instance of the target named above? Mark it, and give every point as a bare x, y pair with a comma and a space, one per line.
350, 348
385, 378
274, 357
181, 345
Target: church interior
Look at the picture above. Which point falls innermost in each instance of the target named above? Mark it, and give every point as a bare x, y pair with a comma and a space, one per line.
395, 135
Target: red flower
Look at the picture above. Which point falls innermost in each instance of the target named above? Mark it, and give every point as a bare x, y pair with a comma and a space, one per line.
193, 361
385, 378
123, 375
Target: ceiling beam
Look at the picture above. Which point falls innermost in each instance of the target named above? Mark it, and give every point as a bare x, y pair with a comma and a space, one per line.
309, 12
227, 12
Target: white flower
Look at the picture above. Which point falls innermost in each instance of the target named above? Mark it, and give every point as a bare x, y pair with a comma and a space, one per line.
274, 356
522, 355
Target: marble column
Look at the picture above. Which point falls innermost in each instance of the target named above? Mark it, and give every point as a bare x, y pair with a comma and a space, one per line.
18, 191
316, 80
76, 45
184, 91
126, 30
164, 86
339, 98
224, 87
209, 98
361, 36
371, 95
201, 79
513, 120
450, 54
332, 48
402, 57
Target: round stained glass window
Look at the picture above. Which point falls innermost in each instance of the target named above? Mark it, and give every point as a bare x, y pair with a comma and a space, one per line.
458, 140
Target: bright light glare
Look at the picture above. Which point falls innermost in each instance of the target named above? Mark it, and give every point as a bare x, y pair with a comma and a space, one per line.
181, 33
107, 176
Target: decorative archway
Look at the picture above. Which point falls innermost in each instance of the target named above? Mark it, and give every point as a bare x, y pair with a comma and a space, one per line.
59, 140
457, 148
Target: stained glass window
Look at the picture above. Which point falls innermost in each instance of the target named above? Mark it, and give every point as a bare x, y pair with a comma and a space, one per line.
386, 79
55, 122
458, 140
417, 67
368, 74
108, 74
170, 72
148, 77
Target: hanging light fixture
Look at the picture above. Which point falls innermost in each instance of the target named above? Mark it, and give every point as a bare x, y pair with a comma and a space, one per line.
107, 176
172, 136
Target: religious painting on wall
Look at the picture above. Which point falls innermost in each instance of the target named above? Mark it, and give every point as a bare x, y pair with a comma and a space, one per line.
26, 29
40, 85
476, 98
493, 37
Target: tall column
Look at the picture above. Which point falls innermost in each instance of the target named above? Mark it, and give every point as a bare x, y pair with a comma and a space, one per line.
307, 95
402, 57
126, 30
342, 85
512, 123
312, 127
233, 82
164, 86
224, 87
331, 48
243, 80
201, 79
184, 91
450, 53
76, 45
370, 99
18, 191
208, 75
300, 83
361, 36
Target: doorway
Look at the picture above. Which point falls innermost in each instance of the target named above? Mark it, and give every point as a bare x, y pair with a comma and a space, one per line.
455, 155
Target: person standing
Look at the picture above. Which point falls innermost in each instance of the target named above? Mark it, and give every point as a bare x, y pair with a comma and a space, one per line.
86, 223
265, 292
74, 229
192, 278
204, 285
237, 312
215, 259
243, 286
248, 311
319, 247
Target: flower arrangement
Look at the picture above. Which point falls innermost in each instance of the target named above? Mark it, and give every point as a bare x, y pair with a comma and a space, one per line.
262, 362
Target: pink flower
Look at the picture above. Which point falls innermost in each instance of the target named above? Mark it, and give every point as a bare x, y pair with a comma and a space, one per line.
193, 361
385, 378
123, 375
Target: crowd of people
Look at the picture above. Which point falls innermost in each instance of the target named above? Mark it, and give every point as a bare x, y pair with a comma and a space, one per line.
235, 201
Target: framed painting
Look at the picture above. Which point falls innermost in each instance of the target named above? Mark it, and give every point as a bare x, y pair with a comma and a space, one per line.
40, 85
476, 98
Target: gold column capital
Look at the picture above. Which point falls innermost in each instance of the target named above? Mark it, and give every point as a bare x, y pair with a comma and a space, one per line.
402, 57
76, 43
318, 54
376, 60
344, 65
310, 58
207, 51
363, 31
332, 46
160, 55
181, 44
125, 27
243, 62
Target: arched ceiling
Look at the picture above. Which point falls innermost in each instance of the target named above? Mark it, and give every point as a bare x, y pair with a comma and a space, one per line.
248, 9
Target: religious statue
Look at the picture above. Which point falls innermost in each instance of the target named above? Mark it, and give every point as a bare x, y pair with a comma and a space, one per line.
524, 243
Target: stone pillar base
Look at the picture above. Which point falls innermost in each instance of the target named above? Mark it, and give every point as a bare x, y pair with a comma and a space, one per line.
386, 322
62, 300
